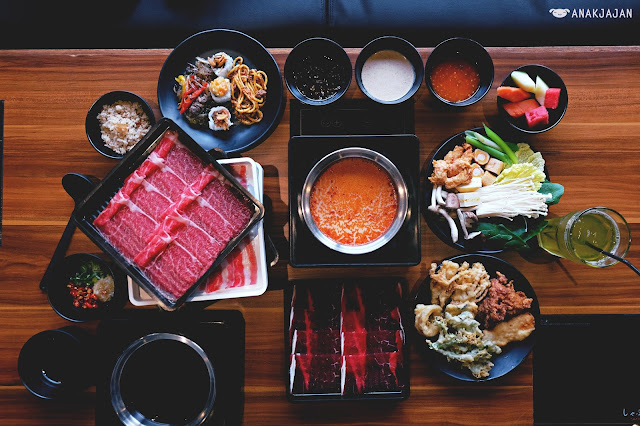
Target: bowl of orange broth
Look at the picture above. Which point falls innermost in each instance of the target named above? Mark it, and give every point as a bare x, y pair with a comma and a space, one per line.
459, 72
354, 200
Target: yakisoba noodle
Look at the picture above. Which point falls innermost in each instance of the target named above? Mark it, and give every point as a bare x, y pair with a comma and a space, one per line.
248, 91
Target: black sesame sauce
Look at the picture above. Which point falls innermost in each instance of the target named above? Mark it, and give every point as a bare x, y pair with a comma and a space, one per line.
318, 77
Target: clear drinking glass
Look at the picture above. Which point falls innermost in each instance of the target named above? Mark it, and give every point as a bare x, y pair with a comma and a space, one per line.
575, 235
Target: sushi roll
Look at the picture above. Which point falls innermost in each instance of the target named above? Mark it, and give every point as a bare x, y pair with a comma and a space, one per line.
220, 89
219, 118
221, 63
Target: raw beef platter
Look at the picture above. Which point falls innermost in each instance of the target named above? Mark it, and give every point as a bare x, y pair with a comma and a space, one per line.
346, 340
174, 217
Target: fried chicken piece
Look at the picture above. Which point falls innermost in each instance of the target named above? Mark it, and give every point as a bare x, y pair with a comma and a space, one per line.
455, 169
516, 329
501, 302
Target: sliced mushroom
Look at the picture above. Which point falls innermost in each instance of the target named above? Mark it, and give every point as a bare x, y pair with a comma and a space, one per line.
452, 201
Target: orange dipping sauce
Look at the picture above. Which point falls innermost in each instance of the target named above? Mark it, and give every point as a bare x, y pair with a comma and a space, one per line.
455, 80
354, 201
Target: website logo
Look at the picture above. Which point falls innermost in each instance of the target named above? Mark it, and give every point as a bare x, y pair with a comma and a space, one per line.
596, 13
559, 13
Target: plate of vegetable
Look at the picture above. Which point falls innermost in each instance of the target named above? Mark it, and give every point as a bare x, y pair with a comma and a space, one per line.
223, 88
484, 194
475, 317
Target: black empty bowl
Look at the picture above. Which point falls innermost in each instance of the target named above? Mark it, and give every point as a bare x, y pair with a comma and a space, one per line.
553, 80
92, 124
317, 71
384, 69
469, 51
53, 363
60, 296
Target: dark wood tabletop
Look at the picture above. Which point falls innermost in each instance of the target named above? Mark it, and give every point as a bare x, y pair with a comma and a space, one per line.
593, 153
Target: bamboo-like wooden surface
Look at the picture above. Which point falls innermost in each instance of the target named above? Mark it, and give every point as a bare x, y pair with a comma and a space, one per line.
593, 152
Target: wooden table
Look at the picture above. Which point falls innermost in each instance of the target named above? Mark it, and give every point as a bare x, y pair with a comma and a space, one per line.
593, 152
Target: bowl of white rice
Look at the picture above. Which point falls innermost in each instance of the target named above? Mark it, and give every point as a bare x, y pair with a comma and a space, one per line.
117, 121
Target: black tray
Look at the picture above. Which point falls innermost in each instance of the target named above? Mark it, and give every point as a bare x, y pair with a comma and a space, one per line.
403, 374
220, 333
98, 198
305, 249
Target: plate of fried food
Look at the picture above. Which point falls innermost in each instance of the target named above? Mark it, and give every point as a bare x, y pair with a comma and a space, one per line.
223, 88
475, 317
484, 194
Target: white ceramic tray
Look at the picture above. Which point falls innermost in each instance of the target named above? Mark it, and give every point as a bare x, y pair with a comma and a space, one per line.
231, 282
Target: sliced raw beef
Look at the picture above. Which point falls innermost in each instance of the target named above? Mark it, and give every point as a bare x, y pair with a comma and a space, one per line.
239, 268
149, 199
353, 310
197, 241
167, 182
127, 229
316, 374
354, 342
316, 342
371, 339
184, 163
355, 371
219, 196
385, 341
382, 372
175, 269
173, 217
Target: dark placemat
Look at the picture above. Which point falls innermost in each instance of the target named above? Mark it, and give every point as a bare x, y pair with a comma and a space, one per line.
352, 117
585, 370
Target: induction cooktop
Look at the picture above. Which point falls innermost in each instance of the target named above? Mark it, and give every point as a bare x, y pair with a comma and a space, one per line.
318, 131
220, 333
585, 370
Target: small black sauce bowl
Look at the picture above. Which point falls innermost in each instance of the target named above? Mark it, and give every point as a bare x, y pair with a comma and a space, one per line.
468, 50
92, 125
317, 47
61, 300
553, 80
52, 364
399, 45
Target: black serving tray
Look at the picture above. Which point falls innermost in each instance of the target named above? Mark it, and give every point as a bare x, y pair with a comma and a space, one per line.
403, 249
86, 212
403, 374
220, 333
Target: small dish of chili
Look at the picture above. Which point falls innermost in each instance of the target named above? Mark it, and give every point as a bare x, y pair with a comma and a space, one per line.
86, 288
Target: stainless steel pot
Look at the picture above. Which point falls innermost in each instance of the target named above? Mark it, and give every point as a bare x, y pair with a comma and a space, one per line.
382, 161
161, 361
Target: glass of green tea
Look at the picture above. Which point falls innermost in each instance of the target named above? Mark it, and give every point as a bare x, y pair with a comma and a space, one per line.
577, 236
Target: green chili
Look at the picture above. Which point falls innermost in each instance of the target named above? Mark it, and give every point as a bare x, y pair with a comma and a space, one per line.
502, 144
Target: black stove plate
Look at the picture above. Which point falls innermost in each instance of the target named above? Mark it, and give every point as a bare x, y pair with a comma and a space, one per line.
305, 249
220, 333
352, 117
